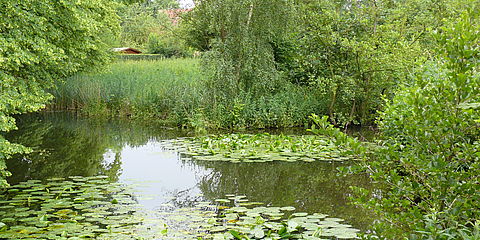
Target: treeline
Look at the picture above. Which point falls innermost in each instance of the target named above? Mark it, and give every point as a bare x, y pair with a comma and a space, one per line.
153, 27
350, 53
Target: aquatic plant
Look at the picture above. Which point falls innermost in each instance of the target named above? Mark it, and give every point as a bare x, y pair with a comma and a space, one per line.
168, 89
235, 217
94, 208
260, 148
73, 208
174, 92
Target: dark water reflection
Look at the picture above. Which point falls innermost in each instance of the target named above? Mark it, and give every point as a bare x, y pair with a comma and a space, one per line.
65, 145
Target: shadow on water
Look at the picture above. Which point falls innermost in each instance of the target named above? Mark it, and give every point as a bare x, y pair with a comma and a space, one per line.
65, 145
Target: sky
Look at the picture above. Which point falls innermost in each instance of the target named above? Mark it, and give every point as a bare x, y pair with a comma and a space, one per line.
186, 3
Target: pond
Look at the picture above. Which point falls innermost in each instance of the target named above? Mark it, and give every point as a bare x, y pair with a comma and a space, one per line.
162, 180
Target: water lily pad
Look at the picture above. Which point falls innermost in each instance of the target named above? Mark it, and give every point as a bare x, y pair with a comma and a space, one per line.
258, 148
300, 214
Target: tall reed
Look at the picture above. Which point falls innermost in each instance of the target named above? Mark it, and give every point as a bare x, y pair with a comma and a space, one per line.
174, 91
160, 89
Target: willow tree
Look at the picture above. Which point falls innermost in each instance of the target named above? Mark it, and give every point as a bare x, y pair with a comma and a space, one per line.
240, 36
41, 42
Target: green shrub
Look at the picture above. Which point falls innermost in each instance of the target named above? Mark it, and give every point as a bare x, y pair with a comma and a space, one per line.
430, 160
358, 52
166, 46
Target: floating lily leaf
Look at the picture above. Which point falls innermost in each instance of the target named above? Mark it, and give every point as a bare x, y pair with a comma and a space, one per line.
257, 148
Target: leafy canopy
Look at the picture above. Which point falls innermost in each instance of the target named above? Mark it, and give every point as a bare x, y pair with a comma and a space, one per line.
42, 42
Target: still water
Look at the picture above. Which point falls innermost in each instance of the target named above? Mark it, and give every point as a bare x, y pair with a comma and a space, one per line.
128, 152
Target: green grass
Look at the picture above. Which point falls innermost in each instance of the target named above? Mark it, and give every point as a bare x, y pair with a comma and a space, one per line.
173, 91
165, 89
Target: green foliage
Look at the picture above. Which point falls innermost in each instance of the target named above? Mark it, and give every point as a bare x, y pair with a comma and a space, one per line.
240, 35
357, 52
351, 54
174, 91
287, 107
322, 127
43, 41
168, 90
430, 161
139, 20
147, 25
167, 46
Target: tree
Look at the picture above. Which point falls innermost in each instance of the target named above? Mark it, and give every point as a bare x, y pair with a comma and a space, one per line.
43, 42
357, 52
141, 19
240, 36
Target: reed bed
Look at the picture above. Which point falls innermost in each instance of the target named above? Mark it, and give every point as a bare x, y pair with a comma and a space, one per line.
174, 92
160, 89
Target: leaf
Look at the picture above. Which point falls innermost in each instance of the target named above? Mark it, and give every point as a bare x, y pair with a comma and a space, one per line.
292, 226
258, 232
236, 234
3, 226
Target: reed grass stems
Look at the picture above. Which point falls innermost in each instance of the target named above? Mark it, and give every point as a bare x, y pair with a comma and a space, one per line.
174, 91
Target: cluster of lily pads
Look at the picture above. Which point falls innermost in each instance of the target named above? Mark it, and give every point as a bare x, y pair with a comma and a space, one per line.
237, 218
94, 208
73, 208
259, 148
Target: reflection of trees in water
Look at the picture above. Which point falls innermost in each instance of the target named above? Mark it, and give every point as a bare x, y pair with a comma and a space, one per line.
65, 145
184, 198
310, 187
191, 196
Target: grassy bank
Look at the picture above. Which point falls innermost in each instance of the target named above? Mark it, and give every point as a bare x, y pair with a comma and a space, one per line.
174, 91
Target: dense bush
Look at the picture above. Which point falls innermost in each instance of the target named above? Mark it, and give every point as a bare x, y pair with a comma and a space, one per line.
43, 41
167, 45
428, 163
351, 53
356, 53
430, 159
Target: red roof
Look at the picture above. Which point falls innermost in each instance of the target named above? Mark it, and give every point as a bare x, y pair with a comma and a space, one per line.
127, 50
175, 14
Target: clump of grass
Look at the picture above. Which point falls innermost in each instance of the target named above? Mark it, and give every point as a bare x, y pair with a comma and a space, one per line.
164, 89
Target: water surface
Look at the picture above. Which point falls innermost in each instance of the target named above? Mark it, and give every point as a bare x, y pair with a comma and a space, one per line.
65, 145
